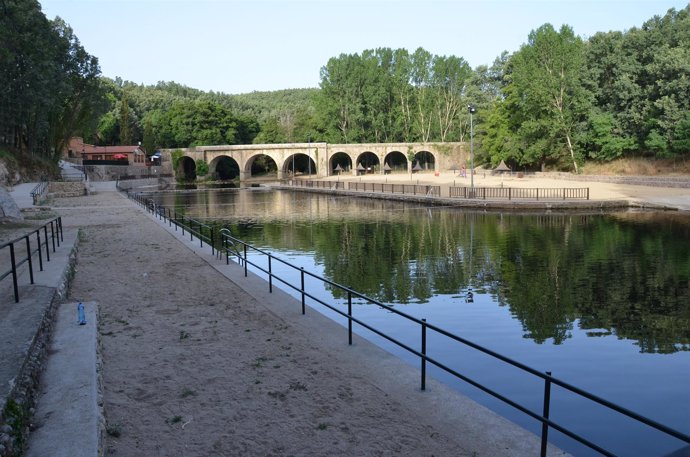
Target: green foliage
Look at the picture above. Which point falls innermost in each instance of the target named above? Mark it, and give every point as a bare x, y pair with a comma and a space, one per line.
656, 143
50, 87
176, 156
201, 167
18, 418
547, 76
607, 140
387, 95
681, 137
125, 127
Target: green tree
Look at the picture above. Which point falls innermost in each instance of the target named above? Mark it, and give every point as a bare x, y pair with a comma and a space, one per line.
50, 88
125, 127
607, 141
451, 76
547, 75
681, 137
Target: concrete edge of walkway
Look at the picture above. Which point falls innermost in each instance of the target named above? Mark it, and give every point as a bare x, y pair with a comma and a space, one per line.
450, 411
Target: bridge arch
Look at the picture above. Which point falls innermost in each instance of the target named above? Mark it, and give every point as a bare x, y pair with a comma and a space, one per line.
341, 159
397, 161
224, 168
299, 164
369, 161
261, 165
186, 167
426, 160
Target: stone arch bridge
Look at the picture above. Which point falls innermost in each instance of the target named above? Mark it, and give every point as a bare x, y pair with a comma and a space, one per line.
318, 160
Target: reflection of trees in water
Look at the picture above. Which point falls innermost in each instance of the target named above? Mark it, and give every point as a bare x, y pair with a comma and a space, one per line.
607, 274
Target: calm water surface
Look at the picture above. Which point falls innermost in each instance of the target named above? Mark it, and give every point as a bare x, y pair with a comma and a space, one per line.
601, 301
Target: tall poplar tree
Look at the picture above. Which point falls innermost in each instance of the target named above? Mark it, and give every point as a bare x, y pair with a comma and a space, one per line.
547, 77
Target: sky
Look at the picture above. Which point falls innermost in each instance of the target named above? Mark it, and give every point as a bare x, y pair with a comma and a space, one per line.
241, 46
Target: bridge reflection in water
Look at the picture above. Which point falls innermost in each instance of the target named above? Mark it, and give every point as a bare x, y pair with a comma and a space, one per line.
599, 300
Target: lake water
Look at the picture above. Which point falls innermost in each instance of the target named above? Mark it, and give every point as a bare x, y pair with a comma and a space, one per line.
600, 300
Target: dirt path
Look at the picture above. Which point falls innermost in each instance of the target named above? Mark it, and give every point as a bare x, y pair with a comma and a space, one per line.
193, 366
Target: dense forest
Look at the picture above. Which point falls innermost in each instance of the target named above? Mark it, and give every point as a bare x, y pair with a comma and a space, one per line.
558, 101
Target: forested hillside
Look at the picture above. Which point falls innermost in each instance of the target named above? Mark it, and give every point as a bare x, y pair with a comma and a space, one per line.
558, 101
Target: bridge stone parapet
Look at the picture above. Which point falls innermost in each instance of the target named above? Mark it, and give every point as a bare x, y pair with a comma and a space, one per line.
320, 159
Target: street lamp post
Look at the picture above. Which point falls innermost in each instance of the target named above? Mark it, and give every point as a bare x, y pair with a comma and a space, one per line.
309, 152
472, 110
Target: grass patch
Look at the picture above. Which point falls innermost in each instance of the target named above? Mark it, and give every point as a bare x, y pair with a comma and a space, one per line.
173, 420
187, 393
114, 430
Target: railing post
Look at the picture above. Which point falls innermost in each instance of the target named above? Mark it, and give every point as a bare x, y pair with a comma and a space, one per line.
28, 253
545, 415
40, 254
52, 234
14, 274
588, 193
45, 236
213, 244
302, 288
349, 317
245, 259
423, 354
270, 275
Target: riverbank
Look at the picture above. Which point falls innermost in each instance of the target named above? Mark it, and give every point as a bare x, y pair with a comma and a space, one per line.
195, 364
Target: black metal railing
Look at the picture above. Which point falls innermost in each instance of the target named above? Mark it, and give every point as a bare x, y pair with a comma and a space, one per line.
22, 250
518, 193
39, 191
484, 193
203, 232
230, 246
410, 189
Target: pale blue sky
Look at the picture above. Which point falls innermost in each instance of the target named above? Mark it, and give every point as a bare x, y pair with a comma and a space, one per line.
239, 46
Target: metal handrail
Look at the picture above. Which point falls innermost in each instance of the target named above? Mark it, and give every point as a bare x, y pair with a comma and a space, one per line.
38, 191
56, 237
548, 379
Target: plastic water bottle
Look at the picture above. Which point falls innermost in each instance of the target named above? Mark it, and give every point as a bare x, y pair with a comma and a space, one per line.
80, 314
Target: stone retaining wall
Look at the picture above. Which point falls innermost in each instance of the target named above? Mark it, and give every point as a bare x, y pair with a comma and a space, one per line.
67, 189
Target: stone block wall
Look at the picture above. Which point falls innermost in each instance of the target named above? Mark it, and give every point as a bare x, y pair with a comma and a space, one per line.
67, 189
